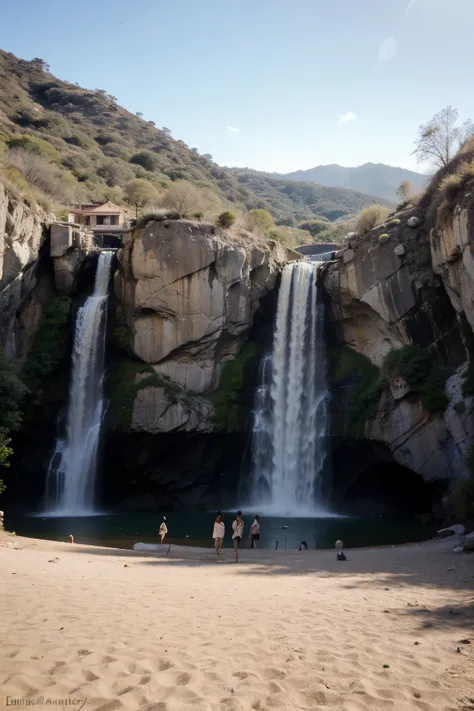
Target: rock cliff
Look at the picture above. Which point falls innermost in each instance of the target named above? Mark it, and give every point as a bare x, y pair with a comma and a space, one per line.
401, 303
24, 286
188, 293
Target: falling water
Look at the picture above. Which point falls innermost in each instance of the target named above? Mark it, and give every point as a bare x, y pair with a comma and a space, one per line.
70, 485
290, 417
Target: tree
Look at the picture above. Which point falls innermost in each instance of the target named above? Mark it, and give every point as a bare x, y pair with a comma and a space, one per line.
440, 138
186, 200
260, 219
139, 193
404, 191
139, 114
40, 64
166, 130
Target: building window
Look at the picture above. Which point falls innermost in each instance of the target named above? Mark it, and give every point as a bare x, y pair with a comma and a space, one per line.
87, 220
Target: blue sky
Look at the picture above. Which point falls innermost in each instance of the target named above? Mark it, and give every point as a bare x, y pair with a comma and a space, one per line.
271, 84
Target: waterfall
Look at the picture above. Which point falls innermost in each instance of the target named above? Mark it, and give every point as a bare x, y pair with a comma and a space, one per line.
291, 405
71, 478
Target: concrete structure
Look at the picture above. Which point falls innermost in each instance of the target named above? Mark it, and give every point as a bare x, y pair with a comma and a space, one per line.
65, 235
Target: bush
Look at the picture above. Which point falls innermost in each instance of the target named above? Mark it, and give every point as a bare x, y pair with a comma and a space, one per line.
36, 145
412, 362
226, 219
114, 173
394, 222
146, 159
370, 217
433, 396
42, 175
151, 217
416, 366
384, 238
260, 219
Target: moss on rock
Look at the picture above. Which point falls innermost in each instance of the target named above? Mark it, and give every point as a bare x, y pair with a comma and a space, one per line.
364, 398
50, 346
231, 414
126, 378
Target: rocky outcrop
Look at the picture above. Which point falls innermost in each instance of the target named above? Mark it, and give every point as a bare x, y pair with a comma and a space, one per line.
403, 284
189, 292
23, 287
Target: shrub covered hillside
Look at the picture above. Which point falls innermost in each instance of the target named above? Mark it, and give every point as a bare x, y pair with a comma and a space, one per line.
61, 144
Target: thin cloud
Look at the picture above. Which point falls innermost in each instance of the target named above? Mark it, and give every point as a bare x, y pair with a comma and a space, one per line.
233, 129
346, 118
410, 5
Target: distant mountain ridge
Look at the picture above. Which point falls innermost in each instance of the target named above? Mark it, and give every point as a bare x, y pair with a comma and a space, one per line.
371, 178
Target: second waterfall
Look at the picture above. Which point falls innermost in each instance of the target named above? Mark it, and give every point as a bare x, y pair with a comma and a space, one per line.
290, 419
71, 481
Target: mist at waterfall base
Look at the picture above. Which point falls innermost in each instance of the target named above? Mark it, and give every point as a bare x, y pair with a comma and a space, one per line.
71, 477
290, 423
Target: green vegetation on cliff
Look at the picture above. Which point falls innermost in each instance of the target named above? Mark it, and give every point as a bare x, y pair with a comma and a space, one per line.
50, 346
71, 145
231, 415
364, 398
126, 378
12, 393
415, 364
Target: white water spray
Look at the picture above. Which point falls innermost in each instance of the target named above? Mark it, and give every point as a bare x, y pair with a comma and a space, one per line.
291, 409
70, 484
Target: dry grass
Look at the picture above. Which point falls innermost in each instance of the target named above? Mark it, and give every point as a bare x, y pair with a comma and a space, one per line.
370, 217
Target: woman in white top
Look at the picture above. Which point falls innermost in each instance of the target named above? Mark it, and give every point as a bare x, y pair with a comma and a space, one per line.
238, 529
218, 533
163, 530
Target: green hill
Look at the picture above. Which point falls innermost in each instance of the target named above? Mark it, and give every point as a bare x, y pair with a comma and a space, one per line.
89, 147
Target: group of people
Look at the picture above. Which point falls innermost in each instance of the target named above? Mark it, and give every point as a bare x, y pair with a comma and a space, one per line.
237, 533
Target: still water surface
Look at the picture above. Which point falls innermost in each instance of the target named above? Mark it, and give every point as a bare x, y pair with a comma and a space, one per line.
122, 530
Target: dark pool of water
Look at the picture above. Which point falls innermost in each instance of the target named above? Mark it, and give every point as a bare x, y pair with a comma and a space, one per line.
122, 530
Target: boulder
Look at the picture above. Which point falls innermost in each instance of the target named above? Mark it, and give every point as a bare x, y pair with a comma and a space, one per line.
190, 292
413, 221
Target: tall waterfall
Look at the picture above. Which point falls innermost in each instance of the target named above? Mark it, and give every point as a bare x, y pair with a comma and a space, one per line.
290, 416
70, 485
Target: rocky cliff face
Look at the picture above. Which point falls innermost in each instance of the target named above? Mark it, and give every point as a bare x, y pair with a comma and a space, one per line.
188, 294
406, 289
24, 285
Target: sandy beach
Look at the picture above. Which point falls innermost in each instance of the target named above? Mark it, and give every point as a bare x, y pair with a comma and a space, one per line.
105, 629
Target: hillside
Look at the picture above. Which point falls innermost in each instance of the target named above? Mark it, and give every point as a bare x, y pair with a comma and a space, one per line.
372, 178
94, 147
304, 200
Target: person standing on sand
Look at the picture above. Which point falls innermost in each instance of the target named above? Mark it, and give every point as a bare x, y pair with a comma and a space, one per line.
255, 532
163, 530
238, 529
219, 532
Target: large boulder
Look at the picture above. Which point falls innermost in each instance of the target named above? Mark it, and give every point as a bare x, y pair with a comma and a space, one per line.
189, 292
